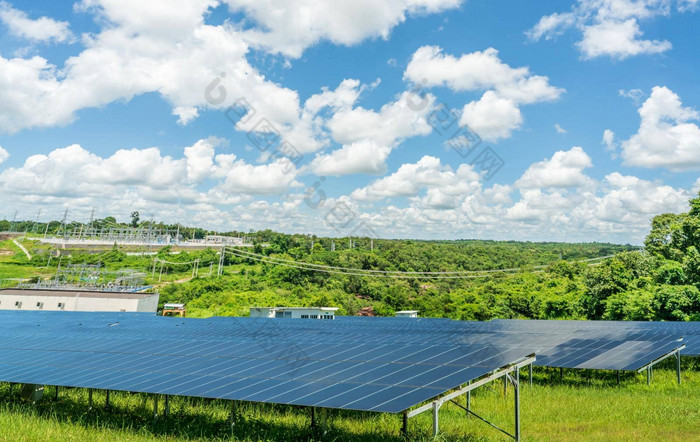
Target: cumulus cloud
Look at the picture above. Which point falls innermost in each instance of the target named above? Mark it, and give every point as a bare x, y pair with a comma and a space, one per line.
610, 27
42, 29
443, 184
358, 157
618, 40
290, 26
369, 136
480, 70
609, 140
4, 155
559, 129
564, 169
492, 117
497, 114
666, 137
74, 172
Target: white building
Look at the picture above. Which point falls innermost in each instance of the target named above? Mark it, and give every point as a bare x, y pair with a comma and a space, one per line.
223, 240
293, 312
76, 300
407, 314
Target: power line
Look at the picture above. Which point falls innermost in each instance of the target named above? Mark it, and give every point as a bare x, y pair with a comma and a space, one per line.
312, 266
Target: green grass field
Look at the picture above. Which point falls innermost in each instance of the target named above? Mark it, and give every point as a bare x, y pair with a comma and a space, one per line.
584, 406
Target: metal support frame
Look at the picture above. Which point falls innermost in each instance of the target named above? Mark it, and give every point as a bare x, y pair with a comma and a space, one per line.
107, 406
650, 367
90, 398
155, 406
55, 396
166, 411
502, 372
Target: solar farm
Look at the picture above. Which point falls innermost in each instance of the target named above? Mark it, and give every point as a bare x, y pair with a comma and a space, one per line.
395, 366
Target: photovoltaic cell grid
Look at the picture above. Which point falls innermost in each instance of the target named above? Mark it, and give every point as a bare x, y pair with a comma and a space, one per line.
689, 331
565, 344
380, 366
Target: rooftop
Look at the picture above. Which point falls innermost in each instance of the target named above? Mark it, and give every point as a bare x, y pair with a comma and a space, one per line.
75, 293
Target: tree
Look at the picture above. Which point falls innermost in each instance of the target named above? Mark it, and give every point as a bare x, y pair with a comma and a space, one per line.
135, 219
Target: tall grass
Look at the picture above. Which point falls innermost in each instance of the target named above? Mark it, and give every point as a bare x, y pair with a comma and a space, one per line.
585, 405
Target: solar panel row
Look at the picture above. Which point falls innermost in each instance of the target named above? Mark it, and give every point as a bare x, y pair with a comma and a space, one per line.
314, 363
374, 364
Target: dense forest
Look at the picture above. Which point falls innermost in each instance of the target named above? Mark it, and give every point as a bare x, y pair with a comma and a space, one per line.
538, 280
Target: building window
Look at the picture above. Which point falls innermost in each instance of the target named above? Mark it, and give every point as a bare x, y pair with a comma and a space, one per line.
40, 305
18, 304
314, 316
61, 306
304, 316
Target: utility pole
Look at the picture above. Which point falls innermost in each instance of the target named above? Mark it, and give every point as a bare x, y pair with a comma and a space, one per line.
63, 223
221, 261
92, 217
12, 225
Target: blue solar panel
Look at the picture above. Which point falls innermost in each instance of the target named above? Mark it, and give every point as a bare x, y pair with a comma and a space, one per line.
374, 366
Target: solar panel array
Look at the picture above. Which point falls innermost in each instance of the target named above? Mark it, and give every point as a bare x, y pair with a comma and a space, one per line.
569, 344
689, 331
369, 364
384, 366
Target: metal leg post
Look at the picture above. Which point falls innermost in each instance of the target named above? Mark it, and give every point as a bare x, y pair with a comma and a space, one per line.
90, 398
517, 404
155, 406
530, 375
678, 366
648, 375
107, 401
435, 419
404, 425
167, 405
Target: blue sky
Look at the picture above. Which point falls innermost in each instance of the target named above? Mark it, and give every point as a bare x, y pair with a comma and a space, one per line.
591, 107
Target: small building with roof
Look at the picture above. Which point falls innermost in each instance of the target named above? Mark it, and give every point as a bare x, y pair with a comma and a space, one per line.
77, 300
293, 312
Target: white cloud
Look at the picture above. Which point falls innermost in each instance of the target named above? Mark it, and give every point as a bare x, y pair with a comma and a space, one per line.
496, 115
610, 27
666, 137
481, 70
441, 181
492, 117
4, 155
559, 129
564, 169
73, 173
369, 136
358, 157
632, 200
609, 140
290, 26
618, 40
43, 29
635, 95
